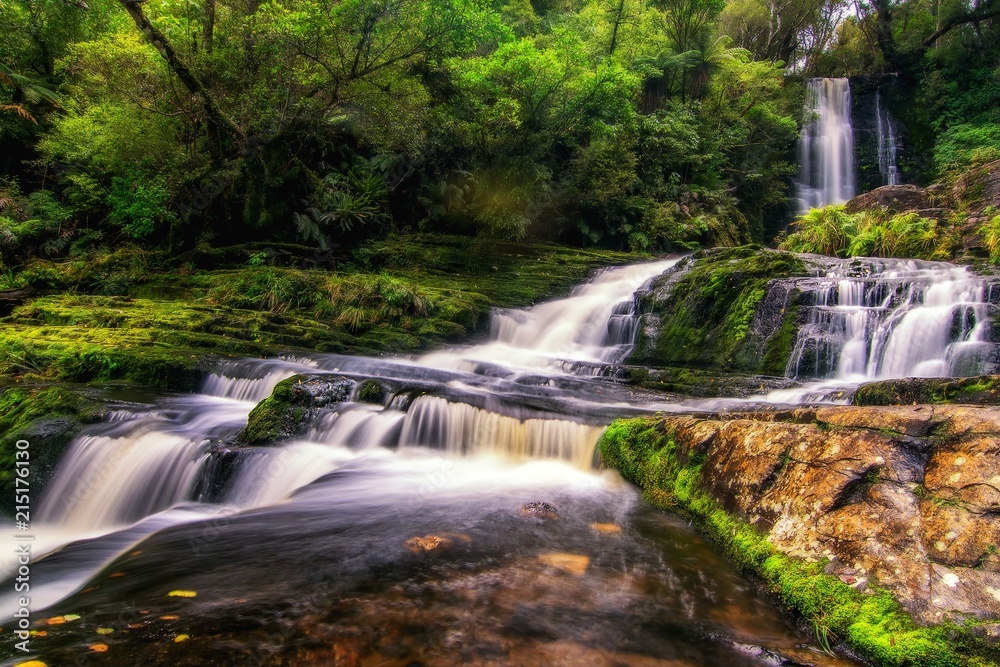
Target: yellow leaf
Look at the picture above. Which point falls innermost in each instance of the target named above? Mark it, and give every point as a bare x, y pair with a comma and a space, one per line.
99, 648
38, 633
180, 638
71, 617
169, 617
31, 663
56, 620
104, 631
182, 594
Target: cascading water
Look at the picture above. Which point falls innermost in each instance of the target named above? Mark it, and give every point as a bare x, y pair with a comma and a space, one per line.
880, 319
888, 143
826, 146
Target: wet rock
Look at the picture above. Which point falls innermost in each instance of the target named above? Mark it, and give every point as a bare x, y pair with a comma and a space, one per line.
539, 510
606, 528
982, 390
908, 497
282, 414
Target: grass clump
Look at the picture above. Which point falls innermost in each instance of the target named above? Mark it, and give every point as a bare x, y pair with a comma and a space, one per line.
872, 622
835, 232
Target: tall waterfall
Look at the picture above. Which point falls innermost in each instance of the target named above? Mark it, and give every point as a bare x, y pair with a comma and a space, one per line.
888, 143
879, 319
826, 146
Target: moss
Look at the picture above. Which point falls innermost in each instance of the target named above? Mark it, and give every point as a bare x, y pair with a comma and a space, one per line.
779, 347
982, 390
48, 418
707, 315
370, 391
277, 417
872, 622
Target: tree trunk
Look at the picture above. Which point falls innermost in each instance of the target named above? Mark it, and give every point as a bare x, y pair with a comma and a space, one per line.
209, 33
220, 124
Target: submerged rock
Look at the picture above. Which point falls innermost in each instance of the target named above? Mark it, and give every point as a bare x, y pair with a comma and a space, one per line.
539, 510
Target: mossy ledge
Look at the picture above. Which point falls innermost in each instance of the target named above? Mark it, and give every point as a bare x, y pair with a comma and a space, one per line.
981, 390
870, 621
281, 415
723, 310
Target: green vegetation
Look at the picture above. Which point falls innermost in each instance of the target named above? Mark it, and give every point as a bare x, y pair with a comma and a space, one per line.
706, 315
982, 390
879, 233
48, 418
137, 316
872, 622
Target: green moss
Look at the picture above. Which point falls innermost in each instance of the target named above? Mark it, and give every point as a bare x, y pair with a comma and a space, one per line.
48, 418
278, 416
983, 390
706, 317
644, 452
370, 391
779, 347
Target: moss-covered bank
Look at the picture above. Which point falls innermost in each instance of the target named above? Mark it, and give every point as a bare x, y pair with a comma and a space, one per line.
646, 453
718, 311
147, 318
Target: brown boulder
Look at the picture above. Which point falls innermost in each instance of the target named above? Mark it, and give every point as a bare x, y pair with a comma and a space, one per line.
896, 198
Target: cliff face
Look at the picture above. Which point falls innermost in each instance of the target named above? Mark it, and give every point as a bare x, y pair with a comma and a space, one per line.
897, 499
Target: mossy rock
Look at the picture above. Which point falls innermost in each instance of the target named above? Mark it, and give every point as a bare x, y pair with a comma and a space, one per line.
872, 622
981, 390
724, 310
282, 414
371, 391
48, 418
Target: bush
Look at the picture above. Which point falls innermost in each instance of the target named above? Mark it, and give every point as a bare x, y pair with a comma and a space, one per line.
966, 145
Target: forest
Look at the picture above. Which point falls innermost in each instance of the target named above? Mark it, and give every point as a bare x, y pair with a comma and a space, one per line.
626, 124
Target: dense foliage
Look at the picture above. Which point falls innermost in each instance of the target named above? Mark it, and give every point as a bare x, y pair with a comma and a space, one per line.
614, 122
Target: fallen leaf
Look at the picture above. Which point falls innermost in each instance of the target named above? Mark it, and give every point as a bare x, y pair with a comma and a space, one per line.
31, 663
136, 552
56, 620
38, 633
99, 648
180, 638
169, 617
115, 575
104, 631
71, 617
606, 528
182, 594
571, 563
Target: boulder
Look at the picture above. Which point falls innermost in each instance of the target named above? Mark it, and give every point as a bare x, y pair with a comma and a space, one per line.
896, 198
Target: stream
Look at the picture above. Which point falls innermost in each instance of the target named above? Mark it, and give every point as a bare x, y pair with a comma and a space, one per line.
462, 520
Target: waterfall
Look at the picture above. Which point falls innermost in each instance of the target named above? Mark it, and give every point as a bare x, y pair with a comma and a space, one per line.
826, 146
888, 143
893, 318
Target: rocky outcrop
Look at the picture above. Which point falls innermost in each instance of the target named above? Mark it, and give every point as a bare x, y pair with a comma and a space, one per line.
904, 499
897, 199
979, 189
878, 525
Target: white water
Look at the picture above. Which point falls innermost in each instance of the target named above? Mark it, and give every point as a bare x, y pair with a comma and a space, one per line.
904, 319
593, 327
888, 143
826, 146
146, 470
